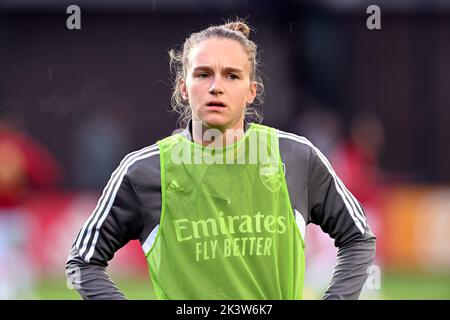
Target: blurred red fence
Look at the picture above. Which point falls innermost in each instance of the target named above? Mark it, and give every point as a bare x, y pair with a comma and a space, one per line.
413, 230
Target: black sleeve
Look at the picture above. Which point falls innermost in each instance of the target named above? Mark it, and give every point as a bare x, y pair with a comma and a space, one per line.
114, 222
338, 213
91, 281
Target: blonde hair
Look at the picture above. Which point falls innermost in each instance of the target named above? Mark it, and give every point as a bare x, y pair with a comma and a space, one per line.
236, 30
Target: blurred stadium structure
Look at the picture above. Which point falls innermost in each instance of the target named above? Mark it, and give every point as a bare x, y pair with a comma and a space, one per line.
376, 102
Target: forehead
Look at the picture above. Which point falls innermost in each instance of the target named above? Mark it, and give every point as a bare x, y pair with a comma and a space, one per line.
219, 51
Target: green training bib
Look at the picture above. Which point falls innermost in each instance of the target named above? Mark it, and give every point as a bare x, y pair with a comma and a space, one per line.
227, 229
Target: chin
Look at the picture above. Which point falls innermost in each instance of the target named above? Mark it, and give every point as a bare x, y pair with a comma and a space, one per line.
215, 122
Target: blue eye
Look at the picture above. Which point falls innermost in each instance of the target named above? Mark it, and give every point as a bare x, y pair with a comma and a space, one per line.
233, 76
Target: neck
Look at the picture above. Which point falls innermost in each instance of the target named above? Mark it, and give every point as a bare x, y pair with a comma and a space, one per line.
216, 136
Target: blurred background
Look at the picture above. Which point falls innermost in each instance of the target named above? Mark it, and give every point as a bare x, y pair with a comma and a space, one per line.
73, 103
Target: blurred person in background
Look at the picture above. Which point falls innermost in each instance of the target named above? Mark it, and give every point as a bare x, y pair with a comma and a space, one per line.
356, 159
321, 124
26, 167
103, 152
216, 231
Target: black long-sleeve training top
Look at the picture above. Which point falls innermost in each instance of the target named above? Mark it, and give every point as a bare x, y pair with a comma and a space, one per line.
130, 209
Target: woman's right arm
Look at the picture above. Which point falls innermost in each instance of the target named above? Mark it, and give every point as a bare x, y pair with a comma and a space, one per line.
120, 216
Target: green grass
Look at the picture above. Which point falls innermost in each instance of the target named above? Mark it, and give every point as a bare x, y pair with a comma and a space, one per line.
394, 285
56, 289
413, 286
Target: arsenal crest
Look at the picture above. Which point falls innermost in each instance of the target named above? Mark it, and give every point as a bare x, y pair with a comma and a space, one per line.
270, 176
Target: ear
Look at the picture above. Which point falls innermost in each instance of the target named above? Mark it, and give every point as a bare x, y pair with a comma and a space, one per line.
183, 88
252, 92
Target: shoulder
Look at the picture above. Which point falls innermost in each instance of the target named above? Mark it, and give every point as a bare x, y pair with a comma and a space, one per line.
141, 163
295, 146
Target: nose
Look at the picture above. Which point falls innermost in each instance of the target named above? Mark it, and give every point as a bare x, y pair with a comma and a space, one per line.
216, 86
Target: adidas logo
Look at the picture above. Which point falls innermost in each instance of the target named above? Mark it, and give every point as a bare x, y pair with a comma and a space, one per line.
174, 186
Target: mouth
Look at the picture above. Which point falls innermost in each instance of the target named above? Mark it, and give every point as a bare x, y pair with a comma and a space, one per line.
216, 104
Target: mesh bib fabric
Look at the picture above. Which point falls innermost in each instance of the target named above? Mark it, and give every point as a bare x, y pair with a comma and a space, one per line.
227, 229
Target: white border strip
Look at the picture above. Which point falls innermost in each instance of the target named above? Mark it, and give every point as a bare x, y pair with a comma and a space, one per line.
301, 224
150, 240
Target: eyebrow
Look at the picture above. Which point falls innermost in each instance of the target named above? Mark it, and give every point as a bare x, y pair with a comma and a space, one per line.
227, 69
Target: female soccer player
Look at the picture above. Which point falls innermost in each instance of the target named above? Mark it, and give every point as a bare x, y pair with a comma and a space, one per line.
221, 208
